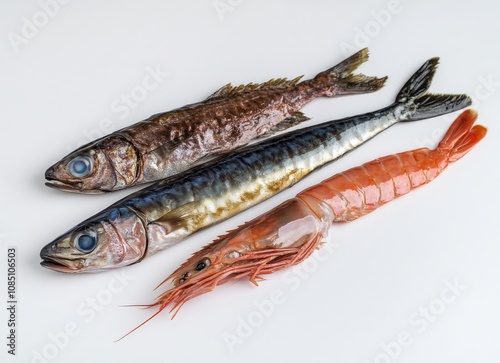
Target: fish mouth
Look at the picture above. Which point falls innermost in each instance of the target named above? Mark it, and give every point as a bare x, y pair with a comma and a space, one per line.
70, 187
56, 184
61, 264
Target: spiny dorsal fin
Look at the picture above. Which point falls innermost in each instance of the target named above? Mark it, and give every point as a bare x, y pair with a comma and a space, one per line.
228, 90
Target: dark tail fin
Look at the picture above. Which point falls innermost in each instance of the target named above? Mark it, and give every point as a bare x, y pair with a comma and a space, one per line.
339, 79
427, 104
461, 137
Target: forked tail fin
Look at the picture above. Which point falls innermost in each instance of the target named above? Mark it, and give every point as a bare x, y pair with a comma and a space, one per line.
462, 136
429, 105
339, 79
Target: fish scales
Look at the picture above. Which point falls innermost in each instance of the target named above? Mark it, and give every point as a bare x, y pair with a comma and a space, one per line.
211, 116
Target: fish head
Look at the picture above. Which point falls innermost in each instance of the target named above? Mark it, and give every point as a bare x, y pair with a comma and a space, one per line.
112, 239
105, 165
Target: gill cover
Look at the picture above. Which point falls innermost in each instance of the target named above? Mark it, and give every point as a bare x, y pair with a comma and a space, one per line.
112, 239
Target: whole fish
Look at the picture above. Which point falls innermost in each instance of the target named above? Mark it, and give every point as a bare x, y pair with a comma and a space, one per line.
172, 142
163, 214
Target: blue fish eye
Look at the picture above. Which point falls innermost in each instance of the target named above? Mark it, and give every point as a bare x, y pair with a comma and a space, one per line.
80, 166
86, 242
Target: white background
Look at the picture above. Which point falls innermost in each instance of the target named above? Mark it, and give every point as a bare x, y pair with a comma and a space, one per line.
60, 84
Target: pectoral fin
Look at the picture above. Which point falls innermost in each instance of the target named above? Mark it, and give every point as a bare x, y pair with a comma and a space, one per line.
184, 216
293, 120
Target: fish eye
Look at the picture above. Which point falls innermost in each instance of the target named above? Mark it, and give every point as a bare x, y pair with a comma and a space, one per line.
86, 241
202, 264
80, 166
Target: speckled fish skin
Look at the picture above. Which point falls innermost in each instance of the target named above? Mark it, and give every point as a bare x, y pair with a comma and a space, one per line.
172, 142
165, 213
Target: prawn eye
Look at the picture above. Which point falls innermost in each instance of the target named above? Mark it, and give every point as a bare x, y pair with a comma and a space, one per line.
202, 264
81, 166
86, 241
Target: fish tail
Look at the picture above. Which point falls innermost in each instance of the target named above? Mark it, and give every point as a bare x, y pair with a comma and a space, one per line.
429, 105
461, 136
339, 79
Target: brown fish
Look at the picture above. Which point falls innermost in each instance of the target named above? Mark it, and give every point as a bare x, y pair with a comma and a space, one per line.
172, 142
